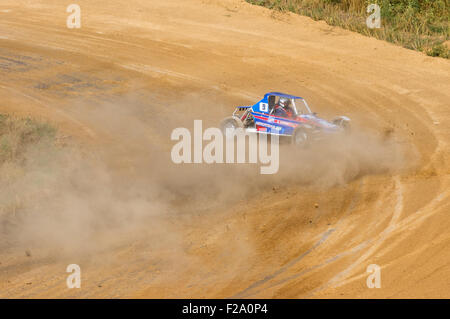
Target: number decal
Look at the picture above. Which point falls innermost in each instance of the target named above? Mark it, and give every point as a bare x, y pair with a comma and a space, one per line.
263, 107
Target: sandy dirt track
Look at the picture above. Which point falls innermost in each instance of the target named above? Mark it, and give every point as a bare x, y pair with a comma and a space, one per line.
135, 66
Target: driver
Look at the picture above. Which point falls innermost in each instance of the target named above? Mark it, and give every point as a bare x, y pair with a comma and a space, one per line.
283, 109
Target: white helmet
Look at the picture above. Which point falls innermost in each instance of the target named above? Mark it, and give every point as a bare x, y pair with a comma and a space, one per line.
284, 102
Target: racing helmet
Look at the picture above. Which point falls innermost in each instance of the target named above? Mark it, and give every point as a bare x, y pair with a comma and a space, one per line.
284, 102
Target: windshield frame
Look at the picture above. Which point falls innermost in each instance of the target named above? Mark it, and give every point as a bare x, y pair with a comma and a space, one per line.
304, 103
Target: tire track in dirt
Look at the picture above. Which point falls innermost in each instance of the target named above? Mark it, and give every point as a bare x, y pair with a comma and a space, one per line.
340, 277
323, 237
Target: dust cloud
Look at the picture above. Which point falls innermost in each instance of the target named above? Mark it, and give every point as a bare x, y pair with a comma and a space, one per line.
68, 200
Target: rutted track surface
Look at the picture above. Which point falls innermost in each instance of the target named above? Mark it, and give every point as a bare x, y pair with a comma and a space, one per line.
200, 58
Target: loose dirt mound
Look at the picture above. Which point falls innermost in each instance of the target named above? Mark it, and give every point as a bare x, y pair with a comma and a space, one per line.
140, 226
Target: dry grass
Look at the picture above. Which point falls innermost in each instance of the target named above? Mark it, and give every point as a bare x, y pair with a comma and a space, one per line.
18, 135
18, 139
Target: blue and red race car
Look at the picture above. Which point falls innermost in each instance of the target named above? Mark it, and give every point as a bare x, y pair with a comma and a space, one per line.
284, 115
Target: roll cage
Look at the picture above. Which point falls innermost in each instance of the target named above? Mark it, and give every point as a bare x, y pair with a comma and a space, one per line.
266, 106
297, 104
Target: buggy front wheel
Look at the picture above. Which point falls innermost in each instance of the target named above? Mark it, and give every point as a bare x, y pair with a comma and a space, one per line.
300, 137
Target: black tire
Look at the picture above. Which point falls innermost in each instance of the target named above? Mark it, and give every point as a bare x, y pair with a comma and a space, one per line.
300, 137
231, 122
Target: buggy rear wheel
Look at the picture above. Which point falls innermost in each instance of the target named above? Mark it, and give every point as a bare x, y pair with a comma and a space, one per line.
231, 122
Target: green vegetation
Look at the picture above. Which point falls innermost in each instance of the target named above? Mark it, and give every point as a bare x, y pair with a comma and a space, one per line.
421, 25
